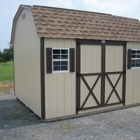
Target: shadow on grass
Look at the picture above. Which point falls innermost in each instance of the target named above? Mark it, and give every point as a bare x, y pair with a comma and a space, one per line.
14, 114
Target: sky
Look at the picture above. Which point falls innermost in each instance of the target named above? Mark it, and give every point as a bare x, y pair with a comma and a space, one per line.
8, 9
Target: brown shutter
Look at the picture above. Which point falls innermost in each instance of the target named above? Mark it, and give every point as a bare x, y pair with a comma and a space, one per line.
129, 58
72, 59
49, 60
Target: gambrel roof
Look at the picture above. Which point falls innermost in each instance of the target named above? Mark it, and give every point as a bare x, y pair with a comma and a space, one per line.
64, 23
53, 22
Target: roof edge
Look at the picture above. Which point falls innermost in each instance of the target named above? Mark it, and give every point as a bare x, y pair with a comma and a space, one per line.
21, 7
85, 11
71, 9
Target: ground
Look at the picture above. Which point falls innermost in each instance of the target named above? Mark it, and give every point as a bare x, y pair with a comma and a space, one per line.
17, 122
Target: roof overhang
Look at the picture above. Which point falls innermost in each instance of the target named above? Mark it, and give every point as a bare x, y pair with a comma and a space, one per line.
21, 7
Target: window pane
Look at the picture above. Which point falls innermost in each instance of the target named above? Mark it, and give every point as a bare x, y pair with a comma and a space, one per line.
56, 63
64, 56
56, 68
64, 62
133, 63
137, 63
133, 56
64, 51
64, 67
138, 56
138, 52
56, 56
133, 52
56, 51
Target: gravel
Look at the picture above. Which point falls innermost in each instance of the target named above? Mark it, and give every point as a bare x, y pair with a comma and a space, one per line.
18, 123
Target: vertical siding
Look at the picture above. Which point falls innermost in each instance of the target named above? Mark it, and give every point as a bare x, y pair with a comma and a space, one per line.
90, 58
114, 58
27, 62
132, 80
60, 96
90, 63
114, 62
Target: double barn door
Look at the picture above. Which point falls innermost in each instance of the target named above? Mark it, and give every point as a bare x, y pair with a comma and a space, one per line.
100, 74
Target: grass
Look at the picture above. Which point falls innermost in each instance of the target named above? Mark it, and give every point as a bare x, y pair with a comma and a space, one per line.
6, 76
66, 126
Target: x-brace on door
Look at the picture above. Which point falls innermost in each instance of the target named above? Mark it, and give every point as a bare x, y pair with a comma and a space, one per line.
100, 74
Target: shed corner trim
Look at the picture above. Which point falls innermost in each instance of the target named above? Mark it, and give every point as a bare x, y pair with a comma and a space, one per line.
42, 72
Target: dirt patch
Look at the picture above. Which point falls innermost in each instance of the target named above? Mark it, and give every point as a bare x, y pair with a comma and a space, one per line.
6, 87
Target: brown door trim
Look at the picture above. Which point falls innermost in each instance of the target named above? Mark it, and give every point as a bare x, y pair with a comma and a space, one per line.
99, 42
124, 75
90, 91
42, 71
113, 88
78, 53
103, 73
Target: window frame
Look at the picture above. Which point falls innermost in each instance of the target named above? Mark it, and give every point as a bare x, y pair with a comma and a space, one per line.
60, 60
134, 59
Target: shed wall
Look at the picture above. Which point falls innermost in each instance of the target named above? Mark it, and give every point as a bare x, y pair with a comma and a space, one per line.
132, 80
27, 62
60, 96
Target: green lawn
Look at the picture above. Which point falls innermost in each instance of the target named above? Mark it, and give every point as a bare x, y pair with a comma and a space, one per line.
6, 72
6, 76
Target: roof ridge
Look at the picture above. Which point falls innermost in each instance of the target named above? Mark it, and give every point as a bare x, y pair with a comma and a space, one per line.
71, 9
22, 5
125, 17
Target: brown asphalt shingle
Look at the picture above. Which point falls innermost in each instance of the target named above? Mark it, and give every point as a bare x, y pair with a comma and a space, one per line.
64, 23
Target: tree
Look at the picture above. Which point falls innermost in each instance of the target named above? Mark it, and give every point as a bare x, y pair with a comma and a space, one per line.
11, 47
7, 56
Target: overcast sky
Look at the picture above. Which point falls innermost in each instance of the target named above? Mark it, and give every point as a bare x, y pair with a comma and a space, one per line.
8, 8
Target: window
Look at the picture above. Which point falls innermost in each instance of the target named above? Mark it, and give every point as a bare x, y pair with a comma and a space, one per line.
60, 60
23, 16
135, 58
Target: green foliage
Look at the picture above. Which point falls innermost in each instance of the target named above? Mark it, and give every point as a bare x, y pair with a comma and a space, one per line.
7, 56
6, 71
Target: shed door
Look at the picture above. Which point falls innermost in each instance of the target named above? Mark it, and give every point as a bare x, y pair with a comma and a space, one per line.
114, 73
100, 76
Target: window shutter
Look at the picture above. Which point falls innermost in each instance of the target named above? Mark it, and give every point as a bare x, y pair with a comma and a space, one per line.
129, 58
72, 59
49, 60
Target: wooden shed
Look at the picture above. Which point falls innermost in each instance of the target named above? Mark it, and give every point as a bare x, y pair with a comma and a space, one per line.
69, 63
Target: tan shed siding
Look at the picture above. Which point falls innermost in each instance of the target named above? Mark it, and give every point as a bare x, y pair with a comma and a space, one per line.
90, 58
60, 96
90, 63
114, 57
27, 63
114, 62
132, 80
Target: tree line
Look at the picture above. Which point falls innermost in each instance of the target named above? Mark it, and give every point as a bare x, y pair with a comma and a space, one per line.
7, 56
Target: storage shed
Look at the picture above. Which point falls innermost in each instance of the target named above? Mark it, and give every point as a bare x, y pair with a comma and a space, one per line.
69, 63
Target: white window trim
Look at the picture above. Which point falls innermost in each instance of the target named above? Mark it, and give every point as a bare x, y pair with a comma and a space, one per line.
135, 59
60, 60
